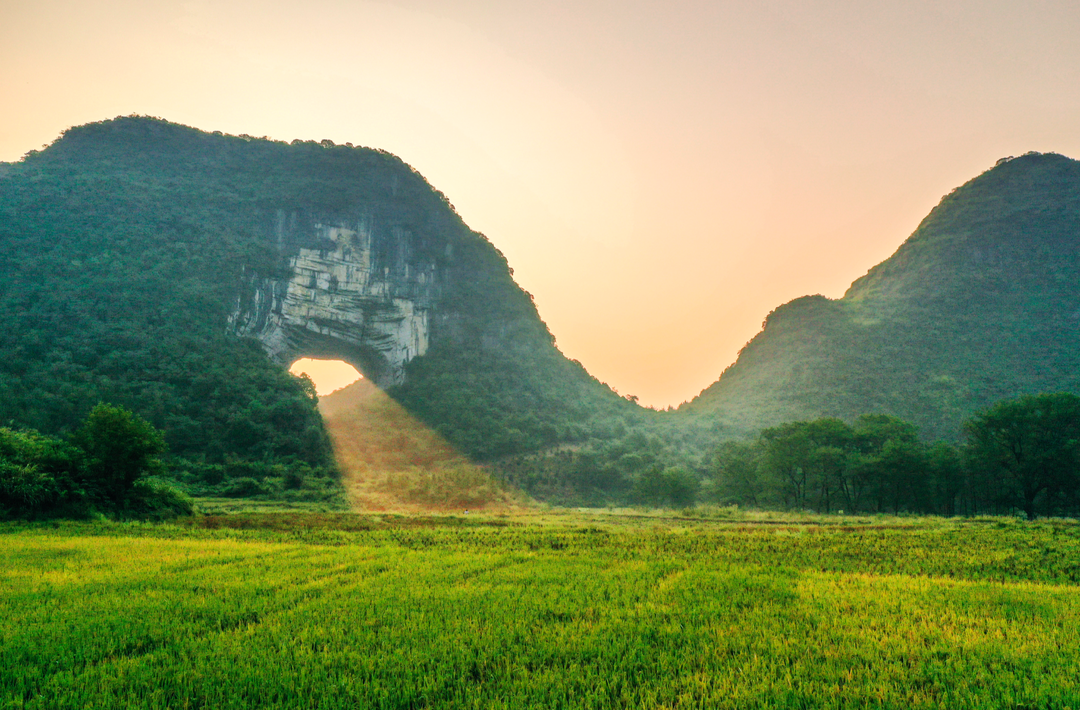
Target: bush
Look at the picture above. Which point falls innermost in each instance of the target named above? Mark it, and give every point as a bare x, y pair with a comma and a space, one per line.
154, 500
673, 487
38, 476
103, 469
25, 490
242, 488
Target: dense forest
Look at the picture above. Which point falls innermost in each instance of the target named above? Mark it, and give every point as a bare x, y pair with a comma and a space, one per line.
1018, 455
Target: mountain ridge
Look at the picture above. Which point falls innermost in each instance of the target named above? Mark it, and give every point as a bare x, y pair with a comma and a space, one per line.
959, 316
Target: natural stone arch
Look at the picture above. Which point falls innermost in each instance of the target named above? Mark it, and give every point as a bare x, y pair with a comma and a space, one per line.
347, 299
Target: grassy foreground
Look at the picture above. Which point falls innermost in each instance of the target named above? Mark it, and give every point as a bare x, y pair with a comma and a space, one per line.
346, 611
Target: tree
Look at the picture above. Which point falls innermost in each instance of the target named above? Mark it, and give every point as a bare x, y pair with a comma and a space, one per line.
785, 459
120, 448
36, 474
946, 476
661, 486
1029, 446
736, 473
810, 461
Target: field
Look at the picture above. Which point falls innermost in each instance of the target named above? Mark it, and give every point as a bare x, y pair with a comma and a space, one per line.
574, 610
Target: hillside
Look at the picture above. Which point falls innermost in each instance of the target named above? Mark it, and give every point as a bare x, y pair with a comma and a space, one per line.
982, 302
178, 273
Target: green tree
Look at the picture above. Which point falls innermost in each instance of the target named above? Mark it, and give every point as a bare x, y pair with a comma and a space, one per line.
890, 469
119, 448
37, 474
736, 473
675, 487
1029, 446
810, 462
787, 449
946, 476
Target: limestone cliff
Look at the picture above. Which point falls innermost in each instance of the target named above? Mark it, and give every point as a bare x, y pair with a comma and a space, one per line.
342, 301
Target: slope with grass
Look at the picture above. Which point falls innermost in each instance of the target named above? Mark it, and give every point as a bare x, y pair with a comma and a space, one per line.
389, 460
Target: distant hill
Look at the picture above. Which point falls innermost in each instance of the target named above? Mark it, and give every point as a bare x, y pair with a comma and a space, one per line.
981, 303
177, 272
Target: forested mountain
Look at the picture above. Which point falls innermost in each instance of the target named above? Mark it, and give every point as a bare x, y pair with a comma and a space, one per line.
137, 256
981, 303
177, 273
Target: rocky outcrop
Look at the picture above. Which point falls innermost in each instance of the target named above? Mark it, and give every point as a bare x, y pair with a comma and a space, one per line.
342, 297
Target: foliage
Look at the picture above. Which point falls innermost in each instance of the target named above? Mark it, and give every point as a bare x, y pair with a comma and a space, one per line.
657, 486
612, 466
104, 468
155, 500
38, 474
349, 611
1021, 454
1028, 449
118, 449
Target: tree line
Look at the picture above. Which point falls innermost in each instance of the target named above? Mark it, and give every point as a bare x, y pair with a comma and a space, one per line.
1019, 455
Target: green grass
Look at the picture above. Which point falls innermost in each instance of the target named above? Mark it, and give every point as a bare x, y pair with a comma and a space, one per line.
572, 609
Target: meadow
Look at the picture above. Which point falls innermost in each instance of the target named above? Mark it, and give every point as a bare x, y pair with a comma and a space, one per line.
540, 610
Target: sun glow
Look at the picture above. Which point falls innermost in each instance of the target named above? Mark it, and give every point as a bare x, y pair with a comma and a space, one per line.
328, 375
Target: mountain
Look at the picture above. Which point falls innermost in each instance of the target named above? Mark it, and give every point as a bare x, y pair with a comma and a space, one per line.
980, 303
179, 272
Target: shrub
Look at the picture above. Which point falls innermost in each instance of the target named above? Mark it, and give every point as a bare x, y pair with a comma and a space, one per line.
154, 500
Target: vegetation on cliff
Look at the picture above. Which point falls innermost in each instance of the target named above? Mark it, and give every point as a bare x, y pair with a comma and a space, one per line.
127, 245
121, 250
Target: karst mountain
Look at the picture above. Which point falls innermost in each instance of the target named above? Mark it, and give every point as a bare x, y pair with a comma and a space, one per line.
981, 303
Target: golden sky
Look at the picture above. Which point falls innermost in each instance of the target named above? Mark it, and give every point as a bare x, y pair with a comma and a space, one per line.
660, 175
328, 375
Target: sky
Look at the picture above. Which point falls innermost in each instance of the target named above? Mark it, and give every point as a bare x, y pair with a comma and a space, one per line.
660, 175
327, 375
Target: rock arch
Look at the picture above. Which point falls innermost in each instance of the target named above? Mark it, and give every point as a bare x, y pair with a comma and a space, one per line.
348, 293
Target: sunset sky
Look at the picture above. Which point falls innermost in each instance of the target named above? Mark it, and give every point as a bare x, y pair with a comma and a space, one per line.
660, 175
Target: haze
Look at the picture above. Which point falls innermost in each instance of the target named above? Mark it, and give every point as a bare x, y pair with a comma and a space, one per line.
659, 175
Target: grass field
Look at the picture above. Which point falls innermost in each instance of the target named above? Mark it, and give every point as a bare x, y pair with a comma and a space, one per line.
544, 610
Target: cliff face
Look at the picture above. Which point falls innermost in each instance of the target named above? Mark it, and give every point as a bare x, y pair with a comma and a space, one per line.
342, 301
979, 304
